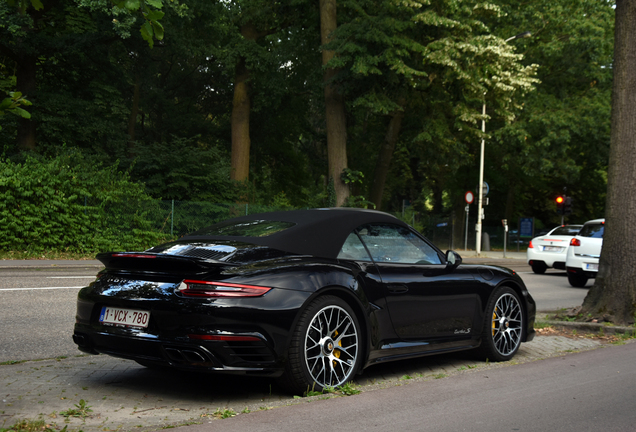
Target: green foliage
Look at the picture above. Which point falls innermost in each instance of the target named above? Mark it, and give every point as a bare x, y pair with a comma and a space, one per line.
43, 206
224, 413
81, 410
348, 389
31, 426
430, 61
12, 105
184, 169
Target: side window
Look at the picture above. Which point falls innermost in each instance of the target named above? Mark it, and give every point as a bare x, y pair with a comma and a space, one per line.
396, 244
353, 249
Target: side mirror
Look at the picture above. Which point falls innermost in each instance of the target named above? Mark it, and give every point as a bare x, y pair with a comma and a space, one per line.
453, 260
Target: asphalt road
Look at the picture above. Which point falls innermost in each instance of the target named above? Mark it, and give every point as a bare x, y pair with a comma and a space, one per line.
37, 312
37, 307
585, 392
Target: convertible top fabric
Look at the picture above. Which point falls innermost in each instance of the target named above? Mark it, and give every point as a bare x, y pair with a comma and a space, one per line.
317, 232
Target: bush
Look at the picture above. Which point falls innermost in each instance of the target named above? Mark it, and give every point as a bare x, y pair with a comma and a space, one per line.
68, 204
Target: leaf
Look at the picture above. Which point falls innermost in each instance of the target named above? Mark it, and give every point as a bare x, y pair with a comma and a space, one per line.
158, 29
133, 5
147, 33
22, 113
154, 15
155, 3
37, 4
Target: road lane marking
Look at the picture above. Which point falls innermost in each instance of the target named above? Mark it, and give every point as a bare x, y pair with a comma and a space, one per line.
39, 288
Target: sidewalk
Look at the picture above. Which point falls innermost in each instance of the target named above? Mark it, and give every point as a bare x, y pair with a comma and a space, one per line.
125, 396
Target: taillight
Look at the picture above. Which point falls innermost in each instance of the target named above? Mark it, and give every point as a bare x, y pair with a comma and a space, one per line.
194, 288
575, 242
133, 255
530, 245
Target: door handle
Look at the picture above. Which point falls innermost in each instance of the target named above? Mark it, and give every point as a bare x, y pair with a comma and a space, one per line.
398, 289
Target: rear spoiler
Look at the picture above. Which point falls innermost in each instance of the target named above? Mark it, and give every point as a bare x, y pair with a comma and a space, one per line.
157, 262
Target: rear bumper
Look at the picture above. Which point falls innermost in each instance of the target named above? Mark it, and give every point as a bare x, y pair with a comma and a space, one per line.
237, 357
560, 265
581, 272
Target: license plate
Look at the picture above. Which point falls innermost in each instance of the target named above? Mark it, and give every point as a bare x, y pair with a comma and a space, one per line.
124, 317
591, 267
552, 249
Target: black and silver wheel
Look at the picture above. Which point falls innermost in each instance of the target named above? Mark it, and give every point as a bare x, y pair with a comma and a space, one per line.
503, 326
325, 348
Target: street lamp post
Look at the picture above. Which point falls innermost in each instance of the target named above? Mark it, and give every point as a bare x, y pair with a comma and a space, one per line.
480, 204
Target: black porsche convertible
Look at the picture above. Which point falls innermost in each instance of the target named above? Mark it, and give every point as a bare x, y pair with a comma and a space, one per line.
308, 296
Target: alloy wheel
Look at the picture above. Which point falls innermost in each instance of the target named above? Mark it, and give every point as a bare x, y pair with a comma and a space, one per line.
507, 324
331, 346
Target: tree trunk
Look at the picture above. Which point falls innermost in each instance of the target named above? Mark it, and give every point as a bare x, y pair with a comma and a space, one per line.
241, 106
334, 107
26, 83
384, 157
613, 295
241, 124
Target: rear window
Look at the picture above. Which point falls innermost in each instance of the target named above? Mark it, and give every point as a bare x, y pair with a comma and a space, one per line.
257, 228
566, 230
592, 230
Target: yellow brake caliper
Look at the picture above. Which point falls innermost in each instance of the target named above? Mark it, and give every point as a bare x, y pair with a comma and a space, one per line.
494, 318
336, 352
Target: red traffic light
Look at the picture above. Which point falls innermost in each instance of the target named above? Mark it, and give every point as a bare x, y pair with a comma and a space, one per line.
559, 200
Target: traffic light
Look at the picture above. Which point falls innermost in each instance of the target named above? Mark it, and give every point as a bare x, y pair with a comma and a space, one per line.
559, 204
567, 206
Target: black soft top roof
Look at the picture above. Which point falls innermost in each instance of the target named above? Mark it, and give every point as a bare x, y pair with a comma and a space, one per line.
317, 232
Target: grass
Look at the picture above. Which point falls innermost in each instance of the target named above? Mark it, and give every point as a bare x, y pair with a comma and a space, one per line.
224, 413
31, 426
12, 362
348, 389
81, 410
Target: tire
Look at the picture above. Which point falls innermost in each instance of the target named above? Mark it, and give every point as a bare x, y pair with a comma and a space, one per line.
539, 267
577, 280
503, 326
325, 348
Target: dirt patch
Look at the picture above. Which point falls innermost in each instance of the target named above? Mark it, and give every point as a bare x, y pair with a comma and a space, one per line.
574, 334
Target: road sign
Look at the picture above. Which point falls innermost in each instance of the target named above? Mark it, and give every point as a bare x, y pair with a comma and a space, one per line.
469, 197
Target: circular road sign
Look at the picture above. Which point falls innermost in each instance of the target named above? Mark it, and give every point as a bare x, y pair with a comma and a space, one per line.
470, 197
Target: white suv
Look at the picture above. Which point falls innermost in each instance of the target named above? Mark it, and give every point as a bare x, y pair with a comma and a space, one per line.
550, 250
584, 253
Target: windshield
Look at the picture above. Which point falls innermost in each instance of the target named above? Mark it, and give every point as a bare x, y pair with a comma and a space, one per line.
568, 230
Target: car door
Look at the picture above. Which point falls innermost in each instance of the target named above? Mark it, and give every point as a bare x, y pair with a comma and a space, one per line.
426, 300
